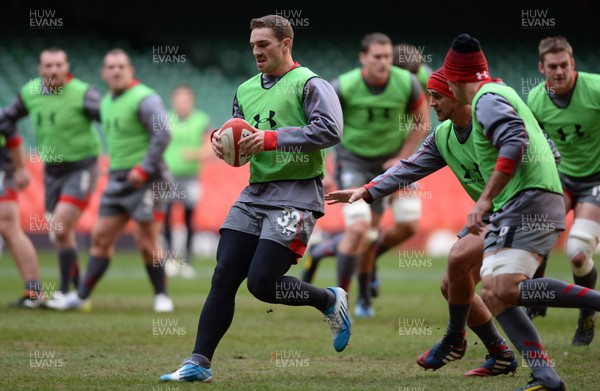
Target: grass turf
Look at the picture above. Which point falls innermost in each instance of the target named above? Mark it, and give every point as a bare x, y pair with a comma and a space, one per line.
122, 344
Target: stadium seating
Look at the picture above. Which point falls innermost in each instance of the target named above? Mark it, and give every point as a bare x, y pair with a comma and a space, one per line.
214, 69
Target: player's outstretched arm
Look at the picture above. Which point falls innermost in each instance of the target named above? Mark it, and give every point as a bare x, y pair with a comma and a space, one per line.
348, 196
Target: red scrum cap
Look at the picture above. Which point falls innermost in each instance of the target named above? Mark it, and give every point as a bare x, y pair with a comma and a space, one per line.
465, 61
437, 81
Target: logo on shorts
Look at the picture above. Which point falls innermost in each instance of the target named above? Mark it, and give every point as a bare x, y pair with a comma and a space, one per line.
288, 221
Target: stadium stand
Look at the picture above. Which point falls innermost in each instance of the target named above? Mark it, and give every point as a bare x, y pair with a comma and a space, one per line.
214, 69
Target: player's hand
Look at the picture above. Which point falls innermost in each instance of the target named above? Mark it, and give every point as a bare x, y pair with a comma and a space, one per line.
346, 196
216, 145
135, 179
21, 178
253, 144
475, 223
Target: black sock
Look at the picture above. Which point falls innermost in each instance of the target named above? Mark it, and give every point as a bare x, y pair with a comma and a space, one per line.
556, 293
488, 334
588, 281
167, 227
67, 259
95, 269
455, 334
157, 276
374, 272
346, 266
380, 248
364, 289
189, 236
522, 333
74, 274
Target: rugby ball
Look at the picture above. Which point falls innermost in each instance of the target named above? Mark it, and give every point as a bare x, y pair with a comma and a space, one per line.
231, 133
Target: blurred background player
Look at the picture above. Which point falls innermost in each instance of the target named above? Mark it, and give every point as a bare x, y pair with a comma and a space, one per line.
13, 178
567, 107
296, 116
450, 145
408, 57
62, 109
137, 132
385, 119
184, 156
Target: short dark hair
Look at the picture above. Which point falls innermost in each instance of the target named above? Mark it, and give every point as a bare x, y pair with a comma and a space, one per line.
373, 38
280, 26
53, 49
555, 44
117, 51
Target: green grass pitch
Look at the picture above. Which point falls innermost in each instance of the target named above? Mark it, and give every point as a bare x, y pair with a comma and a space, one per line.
123, 345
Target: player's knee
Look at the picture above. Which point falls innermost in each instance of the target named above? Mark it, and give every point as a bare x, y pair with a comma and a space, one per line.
409, 227
222, 284
406, 211
357, 218
262, 286
459, 267
444, 286
456, 269
5, 226
457, 254
357, 231
8, 219
102, 242
581, 244
580, 259
63, 236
